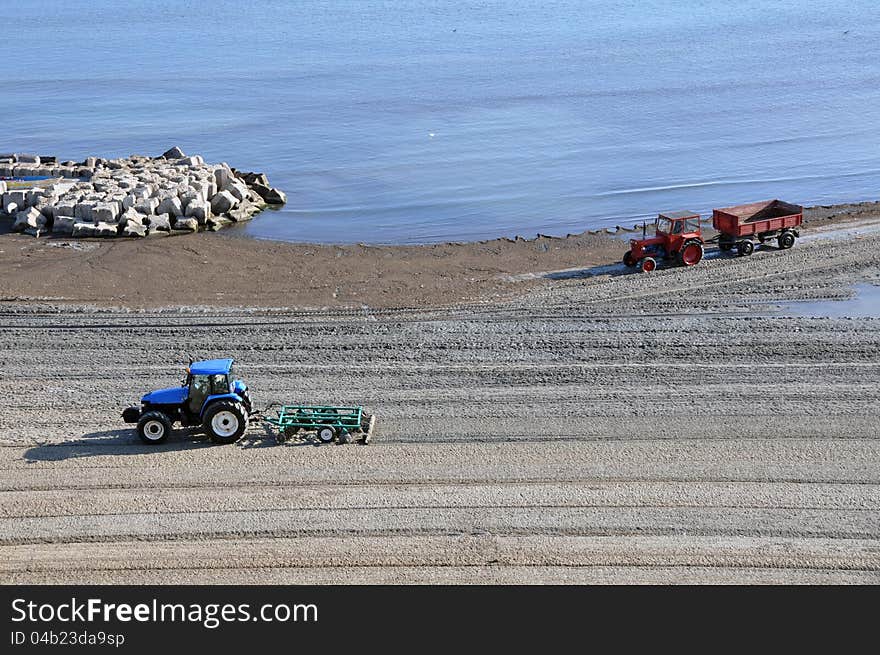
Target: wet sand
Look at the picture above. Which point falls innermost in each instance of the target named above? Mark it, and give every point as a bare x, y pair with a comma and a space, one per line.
222, 270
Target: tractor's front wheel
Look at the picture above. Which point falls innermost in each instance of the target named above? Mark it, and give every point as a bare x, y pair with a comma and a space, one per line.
154, 427
629, 260
225, 421
648, 264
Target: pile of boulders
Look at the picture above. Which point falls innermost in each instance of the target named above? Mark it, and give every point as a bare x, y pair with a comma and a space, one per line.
132, 197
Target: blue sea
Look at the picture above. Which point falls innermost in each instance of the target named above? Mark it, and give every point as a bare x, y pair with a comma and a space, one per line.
415, 121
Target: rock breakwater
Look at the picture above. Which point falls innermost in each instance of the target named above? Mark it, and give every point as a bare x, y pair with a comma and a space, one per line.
135, 196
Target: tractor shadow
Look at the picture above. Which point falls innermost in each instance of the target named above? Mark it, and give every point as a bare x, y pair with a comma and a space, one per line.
612, 270
125, 442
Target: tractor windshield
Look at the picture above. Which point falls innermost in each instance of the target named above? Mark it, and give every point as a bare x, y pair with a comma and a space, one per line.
219, 384
664, 225
678, 226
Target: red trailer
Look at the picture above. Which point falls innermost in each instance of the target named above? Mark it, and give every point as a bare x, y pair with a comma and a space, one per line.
742, 225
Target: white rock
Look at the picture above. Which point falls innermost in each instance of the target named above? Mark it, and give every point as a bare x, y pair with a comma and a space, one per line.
83, 229
201, 189
106, 230
223, 202
186, 224
276, 197
63, 225
160, 222
173, 153
29, 218
133, 229
16, 198
84, 210
238, 189
130, 215
106, 213
195, 160
222, 176
200, 210
170, 205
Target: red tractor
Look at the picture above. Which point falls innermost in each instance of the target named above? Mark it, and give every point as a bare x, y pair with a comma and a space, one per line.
677, 236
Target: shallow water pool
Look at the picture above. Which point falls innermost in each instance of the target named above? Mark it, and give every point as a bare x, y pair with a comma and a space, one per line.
865, 303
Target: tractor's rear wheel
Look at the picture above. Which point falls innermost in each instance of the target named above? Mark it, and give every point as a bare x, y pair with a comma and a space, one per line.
690, 254
648, 264
225, 421
745, 248
785, 240
154, 427
629, 260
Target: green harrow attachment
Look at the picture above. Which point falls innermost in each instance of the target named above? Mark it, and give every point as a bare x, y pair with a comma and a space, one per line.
328, 423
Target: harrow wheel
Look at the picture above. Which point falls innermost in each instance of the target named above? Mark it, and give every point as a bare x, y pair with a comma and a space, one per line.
326, 433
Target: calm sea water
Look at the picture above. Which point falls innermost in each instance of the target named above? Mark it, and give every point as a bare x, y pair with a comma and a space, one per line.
421, 121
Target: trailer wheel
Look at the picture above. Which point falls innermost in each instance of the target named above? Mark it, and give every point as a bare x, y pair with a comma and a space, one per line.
154, 427
725, 246
648, 264
785, 240
629, 260
326, 433
745, 248
691, 253
225, 421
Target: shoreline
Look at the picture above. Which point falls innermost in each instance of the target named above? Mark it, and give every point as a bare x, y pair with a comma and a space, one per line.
231, 270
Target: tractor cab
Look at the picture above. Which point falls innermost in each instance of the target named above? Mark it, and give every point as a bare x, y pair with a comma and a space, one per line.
677, 235
678, 224
210, 379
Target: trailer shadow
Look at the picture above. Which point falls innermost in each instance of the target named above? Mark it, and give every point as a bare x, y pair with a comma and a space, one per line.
125, 442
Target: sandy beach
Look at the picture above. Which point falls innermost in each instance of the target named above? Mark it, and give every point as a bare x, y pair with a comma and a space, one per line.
545, 415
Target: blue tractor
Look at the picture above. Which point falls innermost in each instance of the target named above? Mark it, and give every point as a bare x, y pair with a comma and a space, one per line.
209, 396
